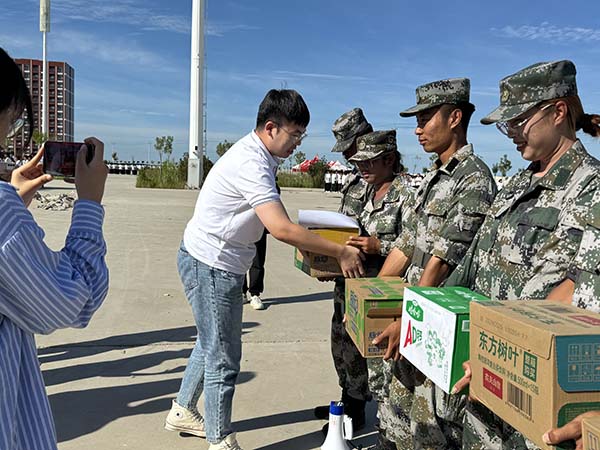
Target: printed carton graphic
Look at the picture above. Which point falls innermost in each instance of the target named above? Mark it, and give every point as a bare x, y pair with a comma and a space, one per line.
536, 364
435, 331
371, 305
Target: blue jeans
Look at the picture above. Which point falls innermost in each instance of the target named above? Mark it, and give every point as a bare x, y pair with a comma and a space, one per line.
216, 299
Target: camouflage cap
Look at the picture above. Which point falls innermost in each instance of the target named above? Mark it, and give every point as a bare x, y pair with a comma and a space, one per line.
525, 89
452, 90
348, 127
374, 144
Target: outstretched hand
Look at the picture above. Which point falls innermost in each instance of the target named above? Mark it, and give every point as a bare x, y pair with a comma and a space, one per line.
350, 261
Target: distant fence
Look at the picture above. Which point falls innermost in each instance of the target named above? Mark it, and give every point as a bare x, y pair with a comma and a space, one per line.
129, 168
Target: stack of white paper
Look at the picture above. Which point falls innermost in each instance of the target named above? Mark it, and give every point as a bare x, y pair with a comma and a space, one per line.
311, 218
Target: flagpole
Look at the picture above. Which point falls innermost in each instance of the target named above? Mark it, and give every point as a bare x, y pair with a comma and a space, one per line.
196, 150
44, 28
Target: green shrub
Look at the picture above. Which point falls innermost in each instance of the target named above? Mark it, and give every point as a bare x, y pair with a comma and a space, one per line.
172, 176
167, 178
295, 179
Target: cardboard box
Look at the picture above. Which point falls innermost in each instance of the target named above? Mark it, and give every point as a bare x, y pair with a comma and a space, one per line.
371, 305
590, 431
536, 364
435, 331
321, 265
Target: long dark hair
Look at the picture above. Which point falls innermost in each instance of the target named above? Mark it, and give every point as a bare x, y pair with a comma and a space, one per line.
14, 92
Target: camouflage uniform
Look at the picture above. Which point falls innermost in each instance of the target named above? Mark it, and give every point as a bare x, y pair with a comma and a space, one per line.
449, 208
383, 219
349, 364
585, 270
531, 233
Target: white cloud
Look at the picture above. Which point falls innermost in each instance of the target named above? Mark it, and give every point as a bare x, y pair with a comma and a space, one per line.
324, 76
126, 12
121, 51
133, 13
220, 29
549, 33
18, 42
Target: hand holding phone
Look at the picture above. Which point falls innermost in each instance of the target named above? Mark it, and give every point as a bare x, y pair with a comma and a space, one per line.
29, 178
60, 157
91, 173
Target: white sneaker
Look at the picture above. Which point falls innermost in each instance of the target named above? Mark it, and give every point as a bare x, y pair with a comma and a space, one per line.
245, 298
229, 443
185, 421
256, 302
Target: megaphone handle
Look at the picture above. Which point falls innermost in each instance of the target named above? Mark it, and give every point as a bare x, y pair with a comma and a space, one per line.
348, 428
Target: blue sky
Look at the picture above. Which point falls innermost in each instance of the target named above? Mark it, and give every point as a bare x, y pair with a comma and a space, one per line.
131, 60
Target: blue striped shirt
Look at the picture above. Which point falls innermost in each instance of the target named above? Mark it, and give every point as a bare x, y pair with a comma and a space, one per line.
41, 291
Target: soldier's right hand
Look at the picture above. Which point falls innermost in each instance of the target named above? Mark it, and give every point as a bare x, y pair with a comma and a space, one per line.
392, 334
571, 430
350, 260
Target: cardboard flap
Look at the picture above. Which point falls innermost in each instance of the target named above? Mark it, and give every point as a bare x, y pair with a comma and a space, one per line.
375, 290
382, 313
522, 330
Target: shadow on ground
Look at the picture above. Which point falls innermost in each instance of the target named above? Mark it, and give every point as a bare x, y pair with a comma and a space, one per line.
80, 412
318, 296
95, 347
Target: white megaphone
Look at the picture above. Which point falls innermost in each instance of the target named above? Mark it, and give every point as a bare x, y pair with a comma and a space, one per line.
340, 428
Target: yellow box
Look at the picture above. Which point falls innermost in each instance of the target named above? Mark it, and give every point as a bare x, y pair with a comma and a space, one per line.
317, 265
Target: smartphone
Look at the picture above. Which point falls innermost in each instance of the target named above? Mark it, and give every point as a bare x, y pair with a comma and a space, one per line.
60, 158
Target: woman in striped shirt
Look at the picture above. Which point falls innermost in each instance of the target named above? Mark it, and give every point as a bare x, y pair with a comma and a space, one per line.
41, 290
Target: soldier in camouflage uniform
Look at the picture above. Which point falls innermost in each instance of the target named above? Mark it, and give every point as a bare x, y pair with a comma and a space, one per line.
583, 290
349, 364
381, 222
532, 232
584, 271
449, 208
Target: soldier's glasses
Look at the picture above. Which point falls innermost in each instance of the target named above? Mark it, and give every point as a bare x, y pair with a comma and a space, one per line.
298, 138
368, 164
516, 127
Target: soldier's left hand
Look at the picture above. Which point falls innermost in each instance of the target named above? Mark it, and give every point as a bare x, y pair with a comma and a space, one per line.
465, 380
392, 334
571, 430
368, 245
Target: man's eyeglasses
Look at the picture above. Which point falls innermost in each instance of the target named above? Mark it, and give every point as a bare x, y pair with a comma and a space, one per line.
298, 138
15, 127
506, 127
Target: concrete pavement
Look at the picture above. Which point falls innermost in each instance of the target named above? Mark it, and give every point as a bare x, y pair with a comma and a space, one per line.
111, 384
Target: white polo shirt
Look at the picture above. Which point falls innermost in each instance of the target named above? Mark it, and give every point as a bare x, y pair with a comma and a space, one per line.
225, 227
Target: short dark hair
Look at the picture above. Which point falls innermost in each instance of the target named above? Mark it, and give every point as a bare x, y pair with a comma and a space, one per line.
467, 109
281, 105
13, 90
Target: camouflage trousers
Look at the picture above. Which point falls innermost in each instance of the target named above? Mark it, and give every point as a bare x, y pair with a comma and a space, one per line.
391, 424
349, 364
435, 418
484, 430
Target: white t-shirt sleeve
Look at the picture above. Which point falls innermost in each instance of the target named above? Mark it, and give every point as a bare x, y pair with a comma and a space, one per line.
257, 184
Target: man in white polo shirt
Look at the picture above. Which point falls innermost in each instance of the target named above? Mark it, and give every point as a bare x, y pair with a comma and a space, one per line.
237, 201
